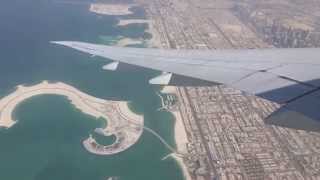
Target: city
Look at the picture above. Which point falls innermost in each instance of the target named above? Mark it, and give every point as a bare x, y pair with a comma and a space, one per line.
227, 136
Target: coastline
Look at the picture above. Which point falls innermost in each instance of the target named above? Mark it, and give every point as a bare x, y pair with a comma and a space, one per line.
155, 41
128, 41
180, 135
181, 140
183, 167
111, 9
49, 132
8, 103
125, 22
122, 122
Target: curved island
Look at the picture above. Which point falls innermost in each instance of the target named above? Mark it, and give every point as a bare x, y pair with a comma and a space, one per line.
126, 126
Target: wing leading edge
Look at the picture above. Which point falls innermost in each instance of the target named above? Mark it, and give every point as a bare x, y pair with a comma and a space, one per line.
290, 77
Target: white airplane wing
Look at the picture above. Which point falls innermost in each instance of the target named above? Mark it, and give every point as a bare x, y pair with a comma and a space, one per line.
290, 77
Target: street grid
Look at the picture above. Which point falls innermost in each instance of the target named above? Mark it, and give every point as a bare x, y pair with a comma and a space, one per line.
228, 138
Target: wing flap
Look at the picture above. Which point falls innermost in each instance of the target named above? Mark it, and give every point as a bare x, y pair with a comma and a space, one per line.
272, 87
303, 113
307, 73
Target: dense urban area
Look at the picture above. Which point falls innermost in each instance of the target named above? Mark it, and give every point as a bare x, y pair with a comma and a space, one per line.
227, 136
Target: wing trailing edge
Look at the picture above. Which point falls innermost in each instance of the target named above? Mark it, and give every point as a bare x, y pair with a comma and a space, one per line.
290, 77
301, 113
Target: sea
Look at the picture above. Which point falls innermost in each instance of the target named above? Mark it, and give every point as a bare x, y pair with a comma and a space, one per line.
46, 142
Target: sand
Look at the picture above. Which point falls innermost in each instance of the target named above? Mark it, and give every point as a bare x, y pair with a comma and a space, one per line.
181, 138
8, 103
184, 168
169, 90
180, 134
155, 41
111, 9
128, 41
87, 104
122, 122
124, 22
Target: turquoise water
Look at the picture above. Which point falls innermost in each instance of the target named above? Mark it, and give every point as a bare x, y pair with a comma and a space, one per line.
46, 141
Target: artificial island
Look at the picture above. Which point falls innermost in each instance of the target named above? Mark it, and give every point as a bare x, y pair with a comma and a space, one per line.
226, 135
122, 123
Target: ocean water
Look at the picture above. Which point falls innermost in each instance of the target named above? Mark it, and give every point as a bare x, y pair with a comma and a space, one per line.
46, 143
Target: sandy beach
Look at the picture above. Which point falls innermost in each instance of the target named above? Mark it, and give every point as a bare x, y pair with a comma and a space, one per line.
181, 138
180, 135
184, 168
169, 90
155, 41
8, 103
122, 122
124, 9
111, 9
124, 22
128, 41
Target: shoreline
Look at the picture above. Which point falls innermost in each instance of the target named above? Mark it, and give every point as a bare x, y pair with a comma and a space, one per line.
128, 41
124, 9
8, 103
111, 9
181, 141
180, 135
183, 167
155, 41
122, 122
125, 22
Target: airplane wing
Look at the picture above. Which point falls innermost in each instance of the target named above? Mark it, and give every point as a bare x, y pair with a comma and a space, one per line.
290, 77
